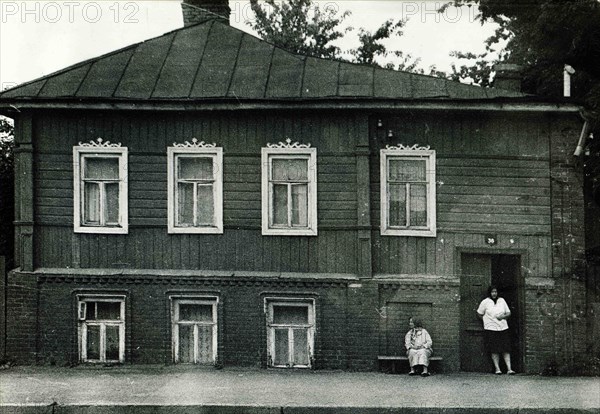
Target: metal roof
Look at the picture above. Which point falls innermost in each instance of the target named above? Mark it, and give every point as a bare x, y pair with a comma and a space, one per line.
212, 60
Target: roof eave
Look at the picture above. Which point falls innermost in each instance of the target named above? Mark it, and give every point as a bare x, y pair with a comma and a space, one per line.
510, 104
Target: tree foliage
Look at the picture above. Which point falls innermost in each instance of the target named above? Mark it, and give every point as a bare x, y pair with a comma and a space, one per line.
299, 26
371, 43
6, 146
542, 36
6, 188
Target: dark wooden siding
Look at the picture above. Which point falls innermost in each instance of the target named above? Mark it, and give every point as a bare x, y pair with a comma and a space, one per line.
437, 256
492, 178
241, 247
492, 174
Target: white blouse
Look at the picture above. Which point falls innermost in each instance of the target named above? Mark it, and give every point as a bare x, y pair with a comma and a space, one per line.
490, 312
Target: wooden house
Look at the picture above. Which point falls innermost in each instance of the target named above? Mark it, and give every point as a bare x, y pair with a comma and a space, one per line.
205, 197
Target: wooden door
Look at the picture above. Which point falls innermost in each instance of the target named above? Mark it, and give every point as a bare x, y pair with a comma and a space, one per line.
475, 278
506, 275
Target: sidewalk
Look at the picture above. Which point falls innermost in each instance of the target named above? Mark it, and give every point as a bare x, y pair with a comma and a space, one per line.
159, 389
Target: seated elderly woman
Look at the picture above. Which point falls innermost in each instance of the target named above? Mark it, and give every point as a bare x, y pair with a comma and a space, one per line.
418, 347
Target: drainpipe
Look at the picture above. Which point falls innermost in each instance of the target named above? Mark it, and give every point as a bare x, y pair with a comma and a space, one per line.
567, 80
585, 132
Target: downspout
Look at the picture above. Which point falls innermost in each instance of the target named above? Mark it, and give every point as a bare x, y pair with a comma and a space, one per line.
585, 132
579, 150
567, 80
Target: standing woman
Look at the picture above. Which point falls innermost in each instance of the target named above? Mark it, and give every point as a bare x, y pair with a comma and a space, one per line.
494, 312
418, 346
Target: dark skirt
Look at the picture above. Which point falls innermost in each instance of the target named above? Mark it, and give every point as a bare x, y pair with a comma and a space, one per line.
497, 342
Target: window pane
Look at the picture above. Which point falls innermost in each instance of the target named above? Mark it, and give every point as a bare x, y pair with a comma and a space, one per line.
290, 315
300, 205
397, 207
93, 342
91, 207
301, 347
101, 168
418, 205
90, 311
186, 343
112, 343
290, 170
205, 344
407, 170
280, 204
111, 208
185, 207
109, 310
195, 313
205, 205
281, 347
195, 168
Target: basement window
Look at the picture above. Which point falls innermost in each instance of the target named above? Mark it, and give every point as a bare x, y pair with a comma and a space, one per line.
194, 330
408, 193
195, 189
290, 332
100, 189
101, 328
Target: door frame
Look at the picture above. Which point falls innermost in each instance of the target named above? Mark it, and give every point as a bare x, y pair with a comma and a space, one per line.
524, 256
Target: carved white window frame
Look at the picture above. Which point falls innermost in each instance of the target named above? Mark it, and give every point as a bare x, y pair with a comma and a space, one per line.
82, 302
310, 327
288, 151
99, 149
408, 153
178, 300
202, 150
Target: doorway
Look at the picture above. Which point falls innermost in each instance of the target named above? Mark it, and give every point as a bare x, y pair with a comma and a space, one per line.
478, 272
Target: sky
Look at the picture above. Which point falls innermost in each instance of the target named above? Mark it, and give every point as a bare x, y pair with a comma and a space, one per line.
40, 37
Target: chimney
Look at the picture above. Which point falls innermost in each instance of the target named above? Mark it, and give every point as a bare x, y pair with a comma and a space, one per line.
508, 77
196, 11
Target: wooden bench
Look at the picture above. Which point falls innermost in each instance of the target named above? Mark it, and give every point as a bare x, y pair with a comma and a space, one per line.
394, 359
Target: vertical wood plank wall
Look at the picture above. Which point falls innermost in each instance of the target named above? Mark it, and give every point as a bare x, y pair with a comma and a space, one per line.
241, 247
492, 178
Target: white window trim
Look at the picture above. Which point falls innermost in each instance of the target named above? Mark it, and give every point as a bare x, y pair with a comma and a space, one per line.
193, 300
429, 156
81, 151
216, 153
311, 329
289, 153
82, 301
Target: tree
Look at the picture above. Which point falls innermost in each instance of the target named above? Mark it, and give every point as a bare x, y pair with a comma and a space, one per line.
371, 45
6, 188
299, 26
542, 36
6, 145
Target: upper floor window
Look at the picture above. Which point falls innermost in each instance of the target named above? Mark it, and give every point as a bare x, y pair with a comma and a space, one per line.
195, 188
408, 191
100, 187
101, 328
289, 190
